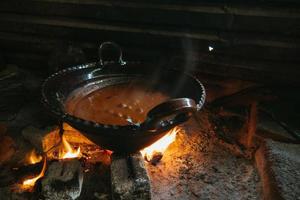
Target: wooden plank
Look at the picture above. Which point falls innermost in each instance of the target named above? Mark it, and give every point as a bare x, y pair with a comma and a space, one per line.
227, 71
266, 54
36, 43
233, 8
70, 31
257, 66
44, 45
79, 29
211, 16
227, 67
11, 42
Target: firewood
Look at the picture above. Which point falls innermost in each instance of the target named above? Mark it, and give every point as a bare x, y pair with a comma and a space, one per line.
26, 170
63, 180
157, 156
251, 125
245, 97
10, 175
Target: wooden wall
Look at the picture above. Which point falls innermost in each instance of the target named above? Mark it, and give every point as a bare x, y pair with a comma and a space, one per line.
253, 40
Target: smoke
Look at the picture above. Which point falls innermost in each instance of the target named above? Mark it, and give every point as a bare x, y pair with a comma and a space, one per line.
189, 55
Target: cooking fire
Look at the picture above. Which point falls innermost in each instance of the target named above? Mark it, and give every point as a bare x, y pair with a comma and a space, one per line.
154, 152
28, 184
191, 161
63, 150
186, 100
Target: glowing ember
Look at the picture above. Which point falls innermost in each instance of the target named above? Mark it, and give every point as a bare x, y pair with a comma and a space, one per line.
29, 183
68, 151
161, 145
33, 157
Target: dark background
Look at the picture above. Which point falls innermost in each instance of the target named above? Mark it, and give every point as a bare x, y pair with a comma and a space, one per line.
252, 40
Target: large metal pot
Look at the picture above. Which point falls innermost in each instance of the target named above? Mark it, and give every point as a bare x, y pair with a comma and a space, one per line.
187, 97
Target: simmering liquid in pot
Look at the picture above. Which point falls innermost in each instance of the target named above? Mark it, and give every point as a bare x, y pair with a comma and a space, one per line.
116, 105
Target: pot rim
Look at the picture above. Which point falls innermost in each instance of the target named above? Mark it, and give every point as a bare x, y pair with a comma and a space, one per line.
64, 116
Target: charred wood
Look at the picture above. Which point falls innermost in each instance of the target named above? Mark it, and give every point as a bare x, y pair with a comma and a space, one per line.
10, 174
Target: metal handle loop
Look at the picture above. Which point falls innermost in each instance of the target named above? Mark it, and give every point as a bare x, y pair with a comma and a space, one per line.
178, 110
107, 44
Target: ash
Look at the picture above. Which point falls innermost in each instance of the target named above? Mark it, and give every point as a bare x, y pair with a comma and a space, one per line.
199, 166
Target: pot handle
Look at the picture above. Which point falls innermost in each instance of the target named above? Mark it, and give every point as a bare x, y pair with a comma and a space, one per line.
169, 114
110, 44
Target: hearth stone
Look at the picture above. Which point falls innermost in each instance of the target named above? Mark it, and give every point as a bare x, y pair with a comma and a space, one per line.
279, 168
35, 137
129, 178
63, 180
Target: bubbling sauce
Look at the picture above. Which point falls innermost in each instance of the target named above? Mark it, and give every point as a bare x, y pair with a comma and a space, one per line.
119, 104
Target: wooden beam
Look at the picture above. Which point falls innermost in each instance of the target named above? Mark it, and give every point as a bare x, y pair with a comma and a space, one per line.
84, 29
220, 16
35, 43
233, 8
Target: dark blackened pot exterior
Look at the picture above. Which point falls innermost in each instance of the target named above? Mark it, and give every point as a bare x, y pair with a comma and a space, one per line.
187, 97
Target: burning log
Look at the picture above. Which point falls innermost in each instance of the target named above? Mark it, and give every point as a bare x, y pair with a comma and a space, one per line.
154, 152
24, 171
129, 177
29, 183
156, 157
10, 175
63, 180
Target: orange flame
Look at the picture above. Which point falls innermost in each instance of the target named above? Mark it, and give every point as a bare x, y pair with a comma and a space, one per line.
33, 157
29, 183
67, 151
161, 145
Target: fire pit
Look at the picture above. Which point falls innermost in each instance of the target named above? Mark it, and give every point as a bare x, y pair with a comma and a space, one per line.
221, 152
60, 162
74, 167
149, 108
63, 163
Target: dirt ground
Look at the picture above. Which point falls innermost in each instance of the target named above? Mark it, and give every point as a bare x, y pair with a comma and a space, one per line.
199, 166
